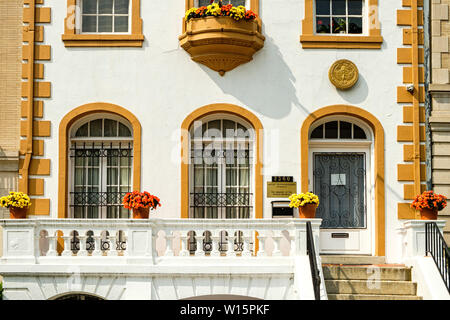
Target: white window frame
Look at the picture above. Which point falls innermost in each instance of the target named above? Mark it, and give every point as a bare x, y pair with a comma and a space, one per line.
102, 161
252, 157
79, 20
365, 21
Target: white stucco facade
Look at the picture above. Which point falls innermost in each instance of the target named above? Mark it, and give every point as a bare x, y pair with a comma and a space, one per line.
160, 85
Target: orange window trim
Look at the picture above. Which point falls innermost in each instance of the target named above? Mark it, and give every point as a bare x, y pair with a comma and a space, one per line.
64, 127
378, 130
310, 40
227, 109
134, 39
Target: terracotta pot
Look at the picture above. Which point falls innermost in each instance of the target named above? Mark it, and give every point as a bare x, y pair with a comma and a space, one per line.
141, 213
429, 214
18, 213
307, 211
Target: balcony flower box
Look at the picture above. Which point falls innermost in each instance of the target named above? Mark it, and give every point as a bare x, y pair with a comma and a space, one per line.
221, 42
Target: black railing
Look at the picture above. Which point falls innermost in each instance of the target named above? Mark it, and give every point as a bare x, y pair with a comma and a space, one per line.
436, 246
311, 251
90, 204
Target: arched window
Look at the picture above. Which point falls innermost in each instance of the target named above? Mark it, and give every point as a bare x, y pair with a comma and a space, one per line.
101, 166
338, 129
221, 168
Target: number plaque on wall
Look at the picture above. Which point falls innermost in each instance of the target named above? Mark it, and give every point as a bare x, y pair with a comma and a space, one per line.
281, 187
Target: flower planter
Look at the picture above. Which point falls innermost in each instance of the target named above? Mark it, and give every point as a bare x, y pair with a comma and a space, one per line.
429, 214
222, 43
307, 211
18, 213
141, 213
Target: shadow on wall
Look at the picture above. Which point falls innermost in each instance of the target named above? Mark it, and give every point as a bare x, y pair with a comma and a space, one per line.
358, 93
268, 89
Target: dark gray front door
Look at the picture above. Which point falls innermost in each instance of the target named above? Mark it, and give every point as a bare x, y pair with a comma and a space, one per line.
340, 183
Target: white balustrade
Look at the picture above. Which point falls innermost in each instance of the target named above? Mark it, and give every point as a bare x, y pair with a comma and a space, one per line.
130, 238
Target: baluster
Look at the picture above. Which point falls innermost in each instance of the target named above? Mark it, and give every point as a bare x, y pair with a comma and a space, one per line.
97, 246
246, 246
199, 239
215, 245
184, 252
67, 252
169, 244
230, 240
51, 246
122, 248
112, 246
83, 252
262, 245
276, 245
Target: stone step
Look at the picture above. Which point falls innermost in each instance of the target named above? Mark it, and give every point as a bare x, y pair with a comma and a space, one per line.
371, 297
332, 272
347, 259
371, 287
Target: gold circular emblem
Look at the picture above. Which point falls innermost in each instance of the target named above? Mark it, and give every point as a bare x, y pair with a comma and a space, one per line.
343, 74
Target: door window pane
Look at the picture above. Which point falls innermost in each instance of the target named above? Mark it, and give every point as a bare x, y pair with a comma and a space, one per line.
345, 130
331, 130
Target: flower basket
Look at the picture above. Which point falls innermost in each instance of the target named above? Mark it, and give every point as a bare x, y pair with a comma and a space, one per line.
141, 213
428, 214
429, 203
220, 41
141, 203
18, 203
306, 203
307, 211
17, 213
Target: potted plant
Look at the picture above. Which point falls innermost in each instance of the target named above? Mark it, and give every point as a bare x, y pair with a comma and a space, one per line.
18, 203
429, 203
339, 25
141, 203
221, 37
306, 203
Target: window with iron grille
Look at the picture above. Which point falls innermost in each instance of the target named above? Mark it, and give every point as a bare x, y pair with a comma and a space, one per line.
221, 169
101, 157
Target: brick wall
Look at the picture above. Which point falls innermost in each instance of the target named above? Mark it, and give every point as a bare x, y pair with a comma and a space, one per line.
440, 103
10, 78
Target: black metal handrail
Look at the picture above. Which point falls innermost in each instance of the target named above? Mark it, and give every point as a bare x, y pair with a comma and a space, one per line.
437, 247
310, 250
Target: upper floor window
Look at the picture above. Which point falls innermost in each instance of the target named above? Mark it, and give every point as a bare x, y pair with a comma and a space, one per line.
341, 24
105, 16
339, 16
103, 23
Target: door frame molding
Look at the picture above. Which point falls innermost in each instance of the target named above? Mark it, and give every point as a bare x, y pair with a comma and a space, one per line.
378, 165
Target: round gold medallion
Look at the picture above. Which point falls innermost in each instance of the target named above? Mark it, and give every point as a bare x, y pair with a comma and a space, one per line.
343, 74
